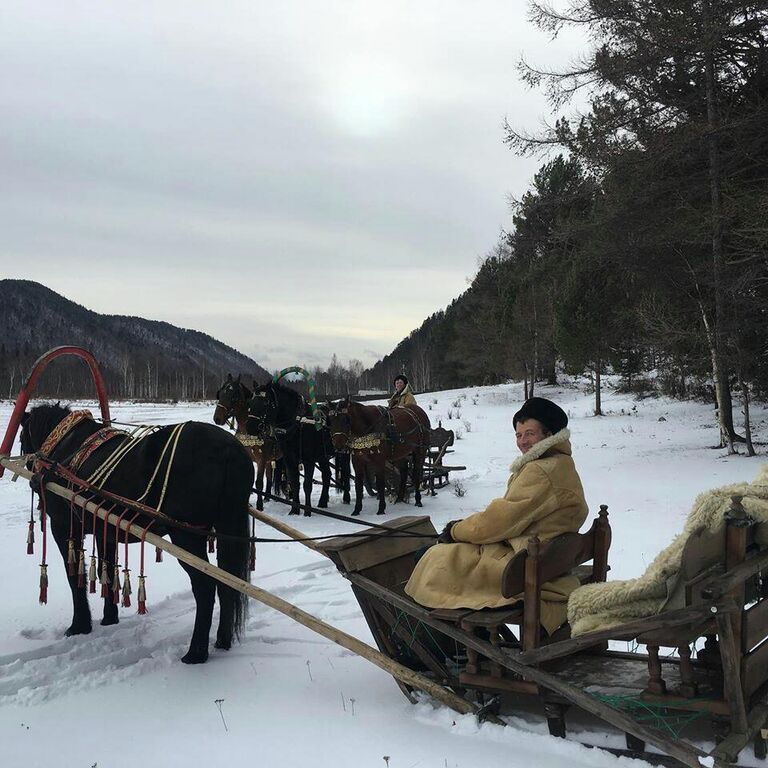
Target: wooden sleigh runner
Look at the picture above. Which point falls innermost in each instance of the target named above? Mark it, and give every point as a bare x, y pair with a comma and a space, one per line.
708, 684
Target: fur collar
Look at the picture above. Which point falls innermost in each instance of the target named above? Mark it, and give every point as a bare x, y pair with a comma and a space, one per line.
540, 449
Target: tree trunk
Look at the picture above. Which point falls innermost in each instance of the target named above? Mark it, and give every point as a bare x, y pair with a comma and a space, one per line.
747, 426
722, 388
598, 400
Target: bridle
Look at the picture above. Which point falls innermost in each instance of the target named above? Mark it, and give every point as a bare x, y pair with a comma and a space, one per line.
342, 414
238, 394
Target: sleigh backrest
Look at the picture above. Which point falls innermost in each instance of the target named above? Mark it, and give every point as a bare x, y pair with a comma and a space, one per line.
559, 556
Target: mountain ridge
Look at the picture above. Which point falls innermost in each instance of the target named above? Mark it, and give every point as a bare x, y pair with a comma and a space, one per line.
139, 357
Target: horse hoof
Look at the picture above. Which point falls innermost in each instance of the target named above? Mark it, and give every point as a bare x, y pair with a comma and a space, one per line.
419, 504
355, 512
381, 512
260, 506
84, 629
294, 512
223, 645
109, 620
347, 500
322, 504
307, 513
194, 657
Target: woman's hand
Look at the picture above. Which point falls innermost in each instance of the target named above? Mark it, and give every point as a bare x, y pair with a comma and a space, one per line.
445, 535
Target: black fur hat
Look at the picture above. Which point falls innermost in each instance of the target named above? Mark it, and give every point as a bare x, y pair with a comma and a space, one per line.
551, 415
402, 377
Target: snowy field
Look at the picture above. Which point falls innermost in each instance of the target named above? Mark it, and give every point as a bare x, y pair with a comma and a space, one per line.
120, 697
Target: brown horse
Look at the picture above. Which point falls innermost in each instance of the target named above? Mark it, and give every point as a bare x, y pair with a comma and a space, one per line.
233, 397
374, 436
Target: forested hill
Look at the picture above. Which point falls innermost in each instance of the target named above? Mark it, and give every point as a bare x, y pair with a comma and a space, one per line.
139, 358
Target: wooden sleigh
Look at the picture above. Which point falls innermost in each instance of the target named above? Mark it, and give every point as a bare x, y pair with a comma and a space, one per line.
693, 673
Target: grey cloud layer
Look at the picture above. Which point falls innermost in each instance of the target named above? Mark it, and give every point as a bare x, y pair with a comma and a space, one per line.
330, 174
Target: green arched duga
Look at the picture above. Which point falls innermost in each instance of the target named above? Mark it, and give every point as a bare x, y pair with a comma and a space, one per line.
316, 414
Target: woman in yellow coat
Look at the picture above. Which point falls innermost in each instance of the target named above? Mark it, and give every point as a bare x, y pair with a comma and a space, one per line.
544, 497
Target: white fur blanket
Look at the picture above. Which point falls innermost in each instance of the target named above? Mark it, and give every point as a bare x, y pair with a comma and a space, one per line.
600, 606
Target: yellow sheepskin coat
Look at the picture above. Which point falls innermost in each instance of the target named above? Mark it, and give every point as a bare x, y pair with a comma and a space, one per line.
403, 399
544, 497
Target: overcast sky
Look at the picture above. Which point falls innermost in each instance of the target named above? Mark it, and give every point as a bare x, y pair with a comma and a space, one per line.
293, 178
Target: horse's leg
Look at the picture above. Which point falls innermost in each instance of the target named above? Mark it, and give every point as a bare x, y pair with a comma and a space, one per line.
418, 470
292, 470
402, 469
381, 487
269, 472
309, 476
260, 481
278, 479
204, 590
342, 460
81, 612
233, 549
325, 471
360, 469
110, 556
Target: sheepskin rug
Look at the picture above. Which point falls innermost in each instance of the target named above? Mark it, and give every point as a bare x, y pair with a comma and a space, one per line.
595, 607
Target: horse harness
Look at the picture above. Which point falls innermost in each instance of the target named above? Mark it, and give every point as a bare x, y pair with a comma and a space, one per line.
272, 430
101, 437
370, 442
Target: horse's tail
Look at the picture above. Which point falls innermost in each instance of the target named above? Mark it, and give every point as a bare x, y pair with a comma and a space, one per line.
233, 547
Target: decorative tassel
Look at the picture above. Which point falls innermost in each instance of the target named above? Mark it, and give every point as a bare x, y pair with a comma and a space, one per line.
116, 586
92, 576
211, 540
31, 538
158, 555
127, 588
142, 595
43, 584
81, 569
104, 579
253, 556
71, 559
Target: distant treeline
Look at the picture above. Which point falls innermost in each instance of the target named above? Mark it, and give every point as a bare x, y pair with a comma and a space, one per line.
643, 249
138, 377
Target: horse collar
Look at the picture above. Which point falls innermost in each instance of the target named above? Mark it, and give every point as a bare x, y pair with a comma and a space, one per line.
62, 429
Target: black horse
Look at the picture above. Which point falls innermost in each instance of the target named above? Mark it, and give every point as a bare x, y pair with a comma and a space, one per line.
232, 403
207, 487
278, 411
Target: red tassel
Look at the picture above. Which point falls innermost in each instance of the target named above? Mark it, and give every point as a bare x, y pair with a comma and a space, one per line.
31, 538
92, 576
253, 556
71, 561
142, 595
158, 555
127, 589
211, 540
81, 569
104, 579
43, 584
116, 586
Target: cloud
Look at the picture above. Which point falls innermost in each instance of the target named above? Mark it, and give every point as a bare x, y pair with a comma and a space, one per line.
320, 177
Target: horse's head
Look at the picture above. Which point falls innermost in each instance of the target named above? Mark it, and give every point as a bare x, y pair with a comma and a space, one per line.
38, 424
232, 397
262, 410
274, 409
339, 423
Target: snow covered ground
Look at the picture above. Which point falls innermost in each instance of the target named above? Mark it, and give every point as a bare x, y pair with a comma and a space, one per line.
287, 697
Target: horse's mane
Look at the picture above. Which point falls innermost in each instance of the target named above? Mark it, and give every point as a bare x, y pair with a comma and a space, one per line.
50, 412
45, 417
